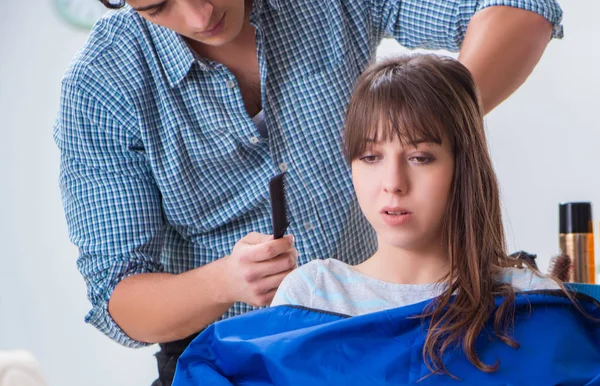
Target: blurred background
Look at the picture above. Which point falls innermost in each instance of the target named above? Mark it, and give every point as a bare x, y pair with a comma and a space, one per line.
545, 143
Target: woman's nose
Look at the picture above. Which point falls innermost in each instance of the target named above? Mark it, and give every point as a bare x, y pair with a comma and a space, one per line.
395, 178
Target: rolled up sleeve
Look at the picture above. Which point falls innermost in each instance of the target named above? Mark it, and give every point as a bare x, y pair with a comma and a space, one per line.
112, 205
436, 24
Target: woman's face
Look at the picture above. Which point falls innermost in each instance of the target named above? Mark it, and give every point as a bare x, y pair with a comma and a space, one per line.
403, 191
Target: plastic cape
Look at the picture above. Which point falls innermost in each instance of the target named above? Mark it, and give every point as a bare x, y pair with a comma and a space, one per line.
287, 345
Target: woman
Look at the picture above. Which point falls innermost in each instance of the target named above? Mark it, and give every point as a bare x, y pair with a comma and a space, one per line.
440, 300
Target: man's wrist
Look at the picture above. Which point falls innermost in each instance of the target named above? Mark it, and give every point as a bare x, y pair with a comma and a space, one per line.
221, 276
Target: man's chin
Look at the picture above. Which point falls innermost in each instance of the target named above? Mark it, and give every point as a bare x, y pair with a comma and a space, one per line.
217, 41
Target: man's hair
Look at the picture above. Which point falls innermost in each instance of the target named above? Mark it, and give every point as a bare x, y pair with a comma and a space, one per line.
433, 98
113, 5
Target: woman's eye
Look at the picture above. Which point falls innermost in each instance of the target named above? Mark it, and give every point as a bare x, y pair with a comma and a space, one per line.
369, 159
421, 160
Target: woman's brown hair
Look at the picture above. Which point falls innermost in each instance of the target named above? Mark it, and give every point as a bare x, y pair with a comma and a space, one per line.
433, 98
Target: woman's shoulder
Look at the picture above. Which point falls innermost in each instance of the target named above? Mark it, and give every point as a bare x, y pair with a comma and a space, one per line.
304, 275
299, 285
317, 268
320, 265
315, 271
525, 279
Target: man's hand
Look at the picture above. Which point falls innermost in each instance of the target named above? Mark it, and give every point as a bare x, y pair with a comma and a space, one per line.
256, 267
162, 307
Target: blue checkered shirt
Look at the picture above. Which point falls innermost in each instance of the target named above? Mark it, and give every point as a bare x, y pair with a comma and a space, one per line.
162, 169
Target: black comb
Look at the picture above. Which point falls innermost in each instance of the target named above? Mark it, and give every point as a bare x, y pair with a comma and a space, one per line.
278, 206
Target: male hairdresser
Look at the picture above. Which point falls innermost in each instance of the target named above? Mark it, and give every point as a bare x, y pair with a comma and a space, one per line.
176, 113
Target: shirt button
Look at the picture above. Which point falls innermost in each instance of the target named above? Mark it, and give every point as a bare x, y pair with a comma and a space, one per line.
230, 84
283, 167
253, 140
309, 226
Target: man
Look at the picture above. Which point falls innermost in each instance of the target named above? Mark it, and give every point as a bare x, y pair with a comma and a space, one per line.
176, 113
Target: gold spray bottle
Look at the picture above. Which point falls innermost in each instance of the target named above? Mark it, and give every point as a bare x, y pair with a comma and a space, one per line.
576, 239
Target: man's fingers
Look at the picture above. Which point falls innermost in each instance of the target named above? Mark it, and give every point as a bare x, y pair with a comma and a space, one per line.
280, 263
270, 248
269, 287
254, 238
265, 299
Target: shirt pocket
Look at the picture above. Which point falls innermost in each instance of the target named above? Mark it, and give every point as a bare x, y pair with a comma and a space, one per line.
309, 41
207, 178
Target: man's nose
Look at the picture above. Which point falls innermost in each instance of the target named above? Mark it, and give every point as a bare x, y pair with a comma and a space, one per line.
197, 14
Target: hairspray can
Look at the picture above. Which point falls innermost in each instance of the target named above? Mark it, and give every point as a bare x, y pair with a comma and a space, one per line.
576, 239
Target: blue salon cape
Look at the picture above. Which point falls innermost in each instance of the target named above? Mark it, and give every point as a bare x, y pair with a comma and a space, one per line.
288, 345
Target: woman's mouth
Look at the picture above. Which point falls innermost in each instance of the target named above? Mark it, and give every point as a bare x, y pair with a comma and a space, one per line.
395, 216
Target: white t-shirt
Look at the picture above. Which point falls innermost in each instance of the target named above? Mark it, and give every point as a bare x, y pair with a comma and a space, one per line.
334, 286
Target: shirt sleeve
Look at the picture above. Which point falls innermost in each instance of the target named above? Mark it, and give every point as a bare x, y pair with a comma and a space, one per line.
442, 24
297, 288
111, 203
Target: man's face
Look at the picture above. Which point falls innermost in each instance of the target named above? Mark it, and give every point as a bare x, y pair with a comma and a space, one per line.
210, 22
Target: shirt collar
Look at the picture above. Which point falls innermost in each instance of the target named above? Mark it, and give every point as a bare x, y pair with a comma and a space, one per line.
175, 56
274, 4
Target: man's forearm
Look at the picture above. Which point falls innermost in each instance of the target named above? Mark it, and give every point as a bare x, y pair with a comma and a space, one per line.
161, 307
501, 47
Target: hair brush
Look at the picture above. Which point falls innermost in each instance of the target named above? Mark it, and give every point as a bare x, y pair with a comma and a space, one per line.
560, 267
279, 216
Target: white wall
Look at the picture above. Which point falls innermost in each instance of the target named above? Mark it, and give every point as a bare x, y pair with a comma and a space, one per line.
544, 140
42, 296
